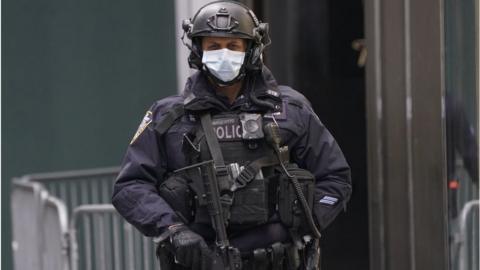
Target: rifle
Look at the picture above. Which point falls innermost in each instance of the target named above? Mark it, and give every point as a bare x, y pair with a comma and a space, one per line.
230, 256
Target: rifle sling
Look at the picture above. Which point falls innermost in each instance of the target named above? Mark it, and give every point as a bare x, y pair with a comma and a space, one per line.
219, 164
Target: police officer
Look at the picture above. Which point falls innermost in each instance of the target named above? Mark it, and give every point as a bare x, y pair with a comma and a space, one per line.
279, 175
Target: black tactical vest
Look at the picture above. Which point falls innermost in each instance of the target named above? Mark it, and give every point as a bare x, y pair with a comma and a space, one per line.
243, 146
258, 188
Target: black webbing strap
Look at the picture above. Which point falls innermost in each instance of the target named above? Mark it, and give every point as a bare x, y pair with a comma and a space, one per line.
220, 169
260, 260
170, 117
251, 170
278, 255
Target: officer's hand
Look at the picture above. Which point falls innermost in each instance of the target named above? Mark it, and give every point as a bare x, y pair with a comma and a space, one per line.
190, 249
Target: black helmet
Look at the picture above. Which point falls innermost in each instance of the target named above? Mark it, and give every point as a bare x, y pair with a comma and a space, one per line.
227, 19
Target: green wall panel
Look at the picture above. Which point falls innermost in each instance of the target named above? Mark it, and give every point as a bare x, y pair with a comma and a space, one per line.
77, 79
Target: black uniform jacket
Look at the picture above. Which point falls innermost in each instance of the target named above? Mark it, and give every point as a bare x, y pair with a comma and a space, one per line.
151, 156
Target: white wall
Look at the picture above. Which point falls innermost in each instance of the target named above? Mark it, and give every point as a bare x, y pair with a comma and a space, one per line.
184, 9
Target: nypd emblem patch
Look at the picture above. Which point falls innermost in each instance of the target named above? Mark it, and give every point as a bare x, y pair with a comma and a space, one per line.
147, 119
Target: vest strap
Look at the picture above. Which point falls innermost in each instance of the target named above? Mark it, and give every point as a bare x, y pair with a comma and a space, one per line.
260, 258
219, 164
251, 170
278, 255
170, 118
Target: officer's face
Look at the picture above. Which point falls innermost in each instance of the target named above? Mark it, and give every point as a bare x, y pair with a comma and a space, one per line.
218, 43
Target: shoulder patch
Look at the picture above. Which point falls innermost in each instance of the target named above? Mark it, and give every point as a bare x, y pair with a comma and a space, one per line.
147, 119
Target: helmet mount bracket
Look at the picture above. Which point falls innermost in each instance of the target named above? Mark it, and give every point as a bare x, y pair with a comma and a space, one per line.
222, 21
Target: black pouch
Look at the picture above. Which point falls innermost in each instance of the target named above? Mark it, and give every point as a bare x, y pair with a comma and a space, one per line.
177, 193
250, 204
289, 207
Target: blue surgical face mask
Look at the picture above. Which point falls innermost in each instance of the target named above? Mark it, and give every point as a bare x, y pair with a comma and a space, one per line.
224, 64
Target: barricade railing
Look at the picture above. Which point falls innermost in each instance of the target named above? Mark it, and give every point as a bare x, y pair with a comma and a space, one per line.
75, 188
96, 238
39, 228
467, 237
114, 243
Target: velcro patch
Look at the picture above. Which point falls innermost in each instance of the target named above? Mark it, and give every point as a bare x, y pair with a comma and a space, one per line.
147, 119
329, 200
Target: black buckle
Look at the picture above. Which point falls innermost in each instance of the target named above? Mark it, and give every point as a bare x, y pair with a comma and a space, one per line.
245, 177
226, 199
221, 170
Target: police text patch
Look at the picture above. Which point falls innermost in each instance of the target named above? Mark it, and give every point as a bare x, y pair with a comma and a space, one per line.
147, 119
227, 128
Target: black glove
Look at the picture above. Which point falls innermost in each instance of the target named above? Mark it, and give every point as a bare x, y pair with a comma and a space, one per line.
190, 249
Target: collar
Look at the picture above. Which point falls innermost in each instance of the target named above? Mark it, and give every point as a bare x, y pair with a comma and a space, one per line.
200, 96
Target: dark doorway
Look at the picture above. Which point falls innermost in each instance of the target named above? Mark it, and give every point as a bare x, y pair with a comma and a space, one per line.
312, 52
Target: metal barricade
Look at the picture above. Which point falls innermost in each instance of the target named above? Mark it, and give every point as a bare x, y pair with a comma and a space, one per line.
96, 238
468, 238
464, 226
75, 188
55, 235
107, 242
40, 228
